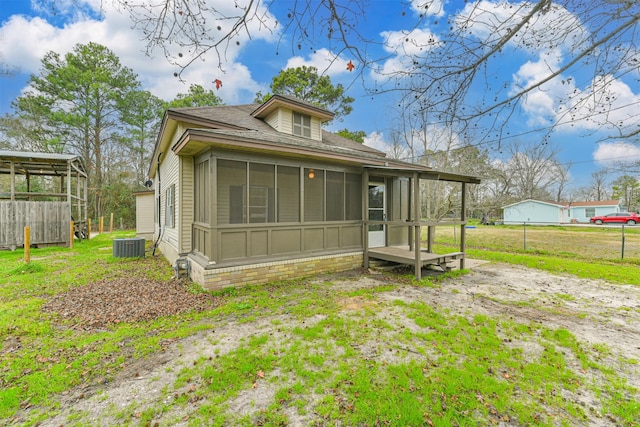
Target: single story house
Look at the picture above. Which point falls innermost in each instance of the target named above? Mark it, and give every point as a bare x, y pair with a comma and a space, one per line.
545, 212
583, 211
260, 192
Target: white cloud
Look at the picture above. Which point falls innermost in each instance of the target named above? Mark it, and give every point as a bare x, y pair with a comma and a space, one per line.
491, 21
376, 140
541, 104
607, 102
327, 62
429, 8
404, 47
609, 154
409, 43
25, 41
393, 151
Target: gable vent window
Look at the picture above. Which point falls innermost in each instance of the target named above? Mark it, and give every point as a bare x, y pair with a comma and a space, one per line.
302, 125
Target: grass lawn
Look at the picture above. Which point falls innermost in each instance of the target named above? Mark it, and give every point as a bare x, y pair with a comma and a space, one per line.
336, 350
586, 251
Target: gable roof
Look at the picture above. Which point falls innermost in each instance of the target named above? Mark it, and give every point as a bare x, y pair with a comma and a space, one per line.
240, 128
544, 202
36, 163
219, 117
596, 203
238, 121
276, 101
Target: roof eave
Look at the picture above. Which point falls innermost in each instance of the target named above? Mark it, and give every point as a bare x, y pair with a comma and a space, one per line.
194, 141
201, 140
277, 101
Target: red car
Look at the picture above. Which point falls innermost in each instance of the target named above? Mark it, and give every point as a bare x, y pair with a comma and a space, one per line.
630, 218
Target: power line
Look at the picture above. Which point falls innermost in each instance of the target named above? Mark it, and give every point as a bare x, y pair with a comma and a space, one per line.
600, 160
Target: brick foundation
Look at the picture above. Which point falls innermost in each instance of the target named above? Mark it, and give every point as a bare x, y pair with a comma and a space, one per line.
256, 274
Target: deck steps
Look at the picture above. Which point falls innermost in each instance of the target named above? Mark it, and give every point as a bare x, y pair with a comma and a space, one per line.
383, 265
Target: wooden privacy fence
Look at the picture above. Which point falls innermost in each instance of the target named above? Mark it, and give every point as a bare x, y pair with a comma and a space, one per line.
49, 223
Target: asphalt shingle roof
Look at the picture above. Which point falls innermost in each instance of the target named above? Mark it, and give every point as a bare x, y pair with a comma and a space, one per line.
238, 117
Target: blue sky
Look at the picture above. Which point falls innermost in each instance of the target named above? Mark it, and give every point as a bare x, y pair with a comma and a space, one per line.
27, 34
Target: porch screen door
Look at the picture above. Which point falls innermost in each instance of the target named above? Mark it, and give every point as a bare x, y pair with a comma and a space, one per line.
376, 213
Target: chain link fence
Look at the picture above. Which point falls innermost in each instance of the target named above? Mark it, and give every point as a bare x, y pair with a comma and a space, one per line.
577, 240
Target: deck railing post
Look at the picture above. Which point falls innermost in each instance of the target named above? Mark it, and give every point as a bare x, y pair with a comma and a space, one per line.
410, 218
365, 217
71, 233
417, 231
463, 218
27, 244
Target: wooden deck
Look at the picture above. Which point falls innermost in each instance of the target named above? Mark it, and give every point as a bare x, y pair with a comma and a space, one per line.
403, 255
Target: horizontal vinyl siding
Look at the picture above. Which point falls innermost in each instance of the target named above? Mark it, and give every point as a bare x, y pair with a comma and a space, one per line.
316, 129
274, 120
145, 218
169, 176
185, 204
532, 212
286, 120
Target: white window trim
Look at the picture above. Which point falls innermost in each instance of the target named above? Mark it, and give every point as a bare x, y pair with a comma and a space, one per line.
301, 126
170, 211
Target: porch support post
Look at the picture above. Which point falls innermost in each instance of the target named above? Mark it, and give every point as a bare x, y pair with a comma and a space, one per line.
13, 181
79, 200
85, 201
411, 217
69, 177
463, 228
212, 245
416, 215
365, 218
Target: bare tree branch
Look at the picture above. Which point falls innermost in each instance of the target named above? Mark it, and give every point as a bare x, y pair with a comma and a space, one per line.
441, 68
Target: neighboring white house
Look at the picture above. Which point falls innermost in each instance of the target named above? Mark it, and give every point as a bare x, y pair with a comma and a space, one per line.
544, 212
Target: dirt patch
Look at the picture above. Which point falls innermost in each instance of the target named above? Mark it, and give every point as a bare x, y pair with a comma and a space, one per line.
356, 303
597, 313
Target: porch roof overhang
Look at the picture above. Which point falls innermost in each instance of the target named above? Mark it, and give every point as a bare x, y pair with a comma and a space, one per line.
194, 141
423, 173
43, 164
